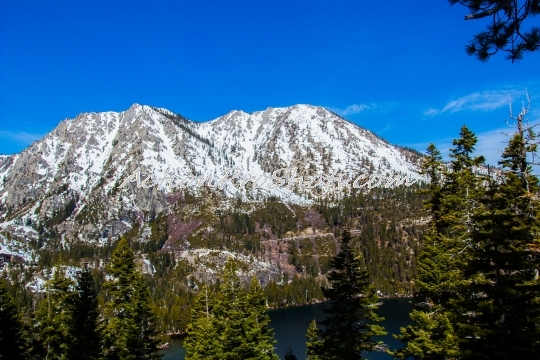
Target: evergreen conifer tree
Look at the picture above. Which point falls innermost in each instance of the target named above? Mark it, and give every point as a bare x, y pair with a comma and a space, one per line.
353, 301
145, 319
314, 342
240, 321
201, 342
55, 317
11, 342
500, 316
258, 332
230, 315
506, 31
289, 354
233, 325
432, 336
87, 325
453, 200
128, 333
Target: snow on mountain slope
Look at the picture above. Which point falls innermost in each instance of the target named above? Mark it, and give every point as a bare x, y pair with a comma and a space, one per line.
311, 136
73, 176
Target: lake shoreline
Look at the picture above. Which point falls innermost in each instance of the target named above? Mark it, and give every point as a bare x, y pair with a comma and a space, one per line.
322, 301
181, 334
290, 324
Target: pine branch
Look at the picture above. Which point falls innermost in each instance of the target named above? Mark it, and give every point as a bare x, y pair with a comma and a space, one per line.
502, 5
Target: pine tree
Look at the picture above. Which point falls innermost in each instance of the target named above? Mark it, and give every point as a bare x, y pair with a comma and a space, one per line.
121, 329
231, 325
289, 354
314, 344
353, 301
506, 32
146, 323
460, 191
201, 342
240, 319
432, 167
259, 334
11, 341
128, 333
55, 317
441, 259
432, 335
87, 324
230, 315
501, 313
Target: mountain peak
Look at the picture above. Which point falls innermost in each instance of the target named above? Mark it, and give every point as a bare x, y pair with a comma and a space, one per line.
135, 106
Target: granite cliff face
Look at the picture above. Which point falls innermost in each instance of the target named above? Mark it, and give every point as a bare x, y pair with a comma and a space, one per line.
71, 180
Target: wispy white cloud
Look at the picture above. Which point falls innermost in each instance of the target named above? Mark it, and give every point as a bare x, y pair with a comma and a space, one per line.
479, 101
381, 108
352, 109
20, 137
431, 112
492, 143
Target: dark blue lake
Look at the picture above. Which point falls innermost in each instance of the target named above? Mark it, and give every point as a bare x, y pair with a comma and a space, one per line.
290, 326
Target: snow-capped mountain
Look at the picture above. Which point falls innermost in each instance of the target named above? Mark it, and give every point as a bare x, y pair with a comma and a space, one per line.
80, 166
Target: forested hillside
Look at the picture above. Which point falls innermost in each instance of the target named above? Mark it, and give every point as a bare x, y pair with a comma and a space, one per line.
287, 246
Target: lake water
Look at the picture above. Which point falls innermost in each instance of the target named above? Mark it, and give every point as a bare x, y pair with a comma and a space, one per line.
290, 326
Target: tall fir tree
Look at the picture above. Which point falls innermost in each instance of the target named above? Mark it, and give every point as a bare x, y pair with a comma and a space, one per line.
433, 167
146, 322
201, 342
453, 200
460, 192
11, 341
129, 330
259, 333
55, 317
240, 322
230, 316
314, 342
289, 354
353, 302
500, 317
233, 325
87, 328
432, 336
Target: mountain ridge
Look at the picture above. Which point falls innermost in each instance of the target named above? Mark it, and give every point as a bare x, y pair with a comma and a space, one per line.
83, 161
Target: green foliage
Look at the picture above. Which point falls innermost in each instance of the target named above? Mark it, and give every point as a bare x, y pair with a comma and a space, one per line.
87, 324
432, 336
506, 32
202, 338
231, 325
273, 213
299, 291
452, 201
55, 317
130, 328
259, 335
353, 301
11, 341
501, 309
172, 299
314, 343
478, 283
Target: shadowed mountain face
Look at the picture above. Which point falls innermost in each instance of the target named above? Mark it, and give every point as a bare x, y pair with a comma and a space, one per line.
72, 178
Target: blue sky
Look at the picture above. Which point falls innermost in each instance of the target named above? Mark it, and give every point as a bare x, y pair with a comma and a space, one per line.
396, 67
